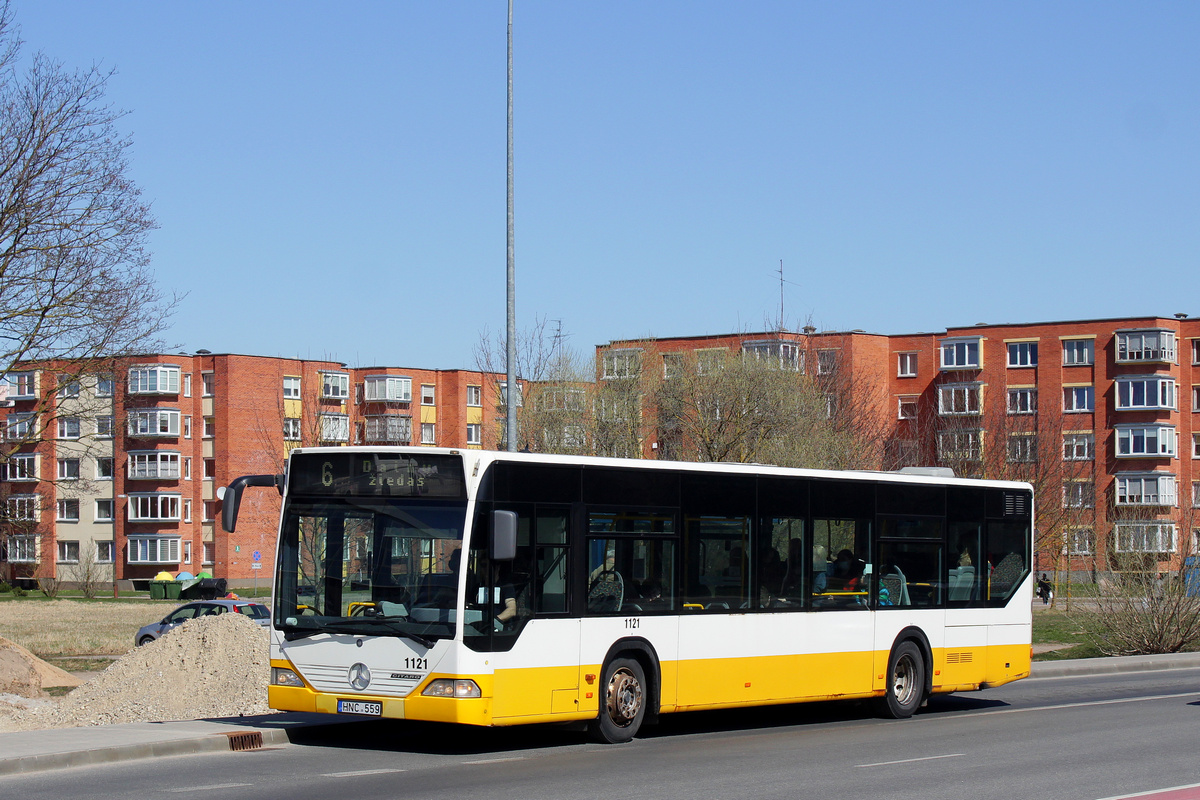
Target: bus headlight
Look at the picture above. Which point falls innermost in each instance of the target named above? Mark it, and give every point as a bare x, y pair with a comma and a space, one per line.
285, 677
446, 687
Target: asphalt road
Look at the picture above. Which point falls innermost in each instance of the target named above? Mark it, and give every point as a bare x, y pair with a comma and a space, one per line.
1075, 738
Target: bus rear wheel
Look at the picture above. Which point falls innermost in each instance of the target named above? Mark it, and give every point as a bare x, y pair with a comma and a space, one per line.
622, 702
905, 681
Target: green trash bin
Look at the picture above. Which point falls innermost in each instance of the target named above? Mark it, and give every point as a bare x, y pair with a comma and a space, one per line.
171, 589
158, 590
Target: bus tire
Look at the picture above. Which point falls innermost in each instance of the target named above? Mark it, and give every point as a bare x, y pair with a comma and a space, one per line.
905, 681
622, 702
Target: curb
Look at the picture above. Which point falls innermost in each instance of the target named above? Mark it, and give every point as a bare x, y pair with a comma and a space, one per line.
1115, 665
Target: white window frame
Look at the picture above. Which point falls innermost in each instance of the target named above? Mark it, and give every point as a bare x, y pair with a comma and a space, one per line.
827, 361
22, 385
474, 433
155, 507
1022, 448
474, 396
105, 386
154, 465
187, 384
387, 389
775, 353
622, 363
68, 387
145, 549
66, 509
68, 551
291, 387
210, 427
22, 548
1079, 447
25, 507
1146, 441
1196, 445
428, 394
388, 429
70, 469
1022, 400
98, 512
208, 384
428, 433
964, 445
22, 467
154, 379
335, 385
105, 425
106, 552
1157, 393
1144, 537
908, 406
292, 431
961, 353
1145, 489
1079, 399
1079, 494
69, 428
1081, 542
20, 427
1022, 354
154, 423
906, 364
334, 427
1140, 346
960, 399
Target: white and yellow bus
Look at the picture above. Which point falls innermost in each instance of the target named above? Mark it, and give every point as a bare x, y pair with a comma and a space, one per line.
491, 588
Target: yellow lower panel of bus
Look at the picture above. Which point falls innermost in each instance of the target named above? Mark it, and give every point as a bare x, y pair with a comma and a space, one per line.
723, 682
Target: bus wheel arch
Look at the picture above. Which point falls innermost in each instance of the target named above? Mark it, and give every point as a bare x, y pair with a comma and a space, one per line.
909, 678
630, 692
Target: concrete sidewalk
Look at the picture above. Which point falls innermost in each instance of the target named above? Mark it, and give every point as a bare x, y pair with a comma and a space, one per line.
34, 751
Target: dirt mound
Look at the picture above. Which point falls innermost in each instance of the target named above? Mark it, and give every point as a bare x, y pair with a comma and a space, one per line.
24, 674
215, 666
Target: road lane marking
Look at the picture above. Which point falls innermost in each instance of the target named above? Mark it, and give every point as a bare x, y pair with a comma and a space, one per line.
1188, 792
206, 788
357, 773
1086, 703
495, 760
909, 760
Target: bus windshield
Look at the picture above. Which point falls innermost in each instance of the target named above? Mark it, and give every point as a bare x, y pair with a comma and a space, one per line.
370, 565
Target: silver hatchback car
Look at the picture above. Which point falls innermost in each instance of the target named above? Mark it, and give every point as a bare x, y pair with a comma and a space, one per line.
201, 608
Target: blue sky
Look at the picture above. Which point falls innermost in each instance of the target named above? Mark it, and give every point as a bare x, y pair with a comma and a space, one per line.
329, 178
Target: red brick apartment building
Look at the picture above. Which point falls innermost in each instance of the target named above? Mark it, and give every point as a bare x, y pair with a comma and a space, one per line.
119, 476
1102, 416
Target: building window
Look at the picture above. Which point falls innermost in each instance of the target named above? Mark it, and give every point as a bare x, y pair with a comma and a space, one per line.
68, 387
187, 426
105, 386
1145, 537
1022, 448
388, 429
388, 389
1196, 445
187, 468
154, 465
906, 365
908, 407
1196, 351
21, 426
68, 552
210, 427
105, 510
474, 433
22, 549
291, 387
210, 469
154, 422
209, 510
504, 395
475, 396
335, 386
1139, 346
1079, 494
68, 427
68, 469
67, 511
428, 433
427, 395
335, 428
187, 552
559, 399
1079, 398
1196, 398
22, 385
208, 382
960, 445
187, 384
1022, 401
1150, 441
1022, 354
24, 507
187, 510
960, 354
154, 507
1195, 494
1145, 392
827, 361
621, 364
153, 549
154, 379
959, 398
106, 552
207, 554
104, 426
1145, 490
1081, 541
291, 429
782, 355
22, 467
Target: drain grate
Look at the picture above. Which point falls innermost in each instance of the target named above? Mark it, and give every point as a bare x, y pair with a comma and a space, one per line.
245, 740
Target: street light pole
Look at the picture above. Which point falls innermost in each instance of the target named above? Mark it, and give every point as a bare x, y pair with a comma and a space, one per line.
510, 384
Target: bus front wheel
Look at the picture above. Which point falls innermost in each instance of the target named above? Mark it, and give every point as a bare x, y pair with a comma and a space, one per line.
905, 681
622, 702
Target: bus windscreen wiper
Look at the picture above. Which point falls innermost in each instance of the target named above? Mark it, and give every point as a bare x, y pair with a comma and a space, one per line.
378, 622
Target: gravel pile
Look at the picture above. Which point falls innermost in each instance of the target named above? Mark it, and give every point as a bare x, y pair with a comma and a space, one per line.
216, 666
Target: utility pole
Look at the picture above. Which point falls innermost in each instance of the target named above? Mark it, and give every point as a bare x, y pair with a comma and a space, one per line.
510, 377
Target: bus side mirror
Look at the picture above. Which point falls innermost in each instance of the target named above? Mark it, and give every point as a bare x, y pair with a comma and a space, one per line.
504, 535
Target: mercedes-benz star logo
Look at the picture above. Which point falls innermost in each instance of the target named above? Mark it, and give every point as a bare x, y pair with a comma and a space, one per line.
359, 676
